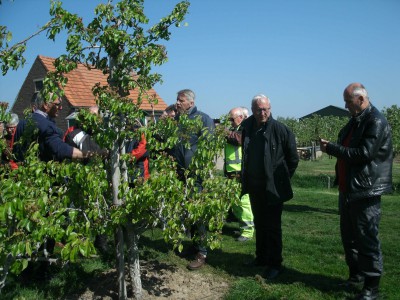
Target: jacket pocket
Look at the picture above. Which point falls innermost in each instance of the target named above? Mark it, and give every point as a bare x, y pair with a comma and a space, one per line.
282, 182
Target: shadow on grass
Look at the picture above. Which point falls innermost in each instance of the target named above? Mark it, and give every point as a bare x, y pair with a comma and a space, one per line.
326, 284
233, 264
55, 282
232, 257
306, 208
291, 284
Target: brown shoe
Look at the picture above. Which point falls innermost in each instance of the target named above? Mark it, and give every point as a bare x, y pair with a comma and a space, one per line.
198, 262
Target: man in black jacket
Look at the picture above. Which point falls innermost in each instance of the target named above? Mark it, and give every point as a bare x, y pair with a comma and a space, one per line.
363, 172
269, 160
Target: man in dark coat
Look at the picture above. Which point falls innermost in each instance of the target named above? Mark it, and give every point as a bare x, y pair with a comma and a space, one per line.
51, 145
364, 155
183, 156
269, 160
185, 105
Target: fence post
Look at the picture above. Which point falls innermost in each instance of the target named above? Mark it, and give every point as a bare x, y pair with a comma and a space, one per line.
313, 151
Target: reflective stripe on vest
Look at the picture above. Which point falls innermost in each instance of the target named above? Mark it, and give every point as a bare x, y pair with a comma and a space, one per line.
233, 158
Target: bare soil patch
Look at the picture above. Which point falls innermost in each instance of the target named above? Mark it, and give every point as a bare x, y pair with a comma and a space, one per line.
159, 281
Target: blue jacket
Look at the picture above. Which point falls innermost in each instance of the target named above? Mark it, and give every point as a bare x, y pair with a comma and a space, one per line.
184, 155
51, 145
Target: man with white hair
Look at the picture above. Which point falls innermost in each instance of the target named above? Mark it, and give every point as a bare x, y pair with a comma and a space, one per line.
269, 160
364, 155
9, 136
232, 169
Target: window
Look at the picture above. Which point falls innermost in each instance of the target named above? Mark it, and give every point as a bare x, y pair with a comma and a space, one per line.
38, 84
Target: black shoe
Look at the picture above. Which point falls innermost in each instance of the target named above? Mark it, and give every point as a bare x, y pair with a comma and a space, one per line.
368, 294
272, 273
353, 281
255, 263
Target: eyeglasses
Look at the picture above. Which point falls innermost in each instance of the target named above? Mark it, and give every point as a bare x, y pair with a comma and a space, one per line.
234, 118
260, 110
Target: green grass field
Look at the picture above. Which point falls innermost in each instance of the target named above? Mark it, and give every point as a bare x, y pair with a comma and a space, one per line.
313, 257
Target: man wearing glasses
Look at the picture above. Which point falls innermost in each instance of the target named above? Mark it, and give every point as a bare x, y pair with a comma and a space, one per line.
269, 161
232, 169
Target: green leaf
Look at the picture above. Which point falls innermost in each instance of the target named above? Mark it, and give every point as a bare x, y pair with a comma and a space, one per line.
9, 36
28, 248
73, 254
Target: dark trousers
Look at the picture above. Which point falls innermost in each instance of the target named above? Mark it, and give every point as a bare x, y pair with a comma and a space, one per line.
359, 226
267, 222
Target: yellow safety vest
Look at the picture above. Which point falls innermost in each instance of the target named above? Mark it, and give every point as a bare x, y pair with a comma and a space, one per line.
233, 158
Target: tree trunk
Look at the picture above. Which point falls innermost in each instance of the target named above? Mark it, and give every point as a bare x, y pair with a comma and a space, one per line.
4, 270
134, 265
119, 236
120, 264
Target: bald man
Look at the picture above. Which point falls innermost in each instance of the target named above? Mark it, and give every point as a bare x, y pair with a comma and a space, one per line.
363, 173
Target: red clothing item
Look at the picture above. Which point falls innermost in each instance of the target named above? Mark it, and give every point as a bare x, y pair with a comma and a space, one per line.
10, 144
140, 154
70, 129
342, 165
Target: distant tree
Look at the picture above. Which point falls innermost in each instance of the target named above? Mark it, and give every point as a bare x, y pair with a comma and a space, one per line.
392, 114
309, 130
292, 123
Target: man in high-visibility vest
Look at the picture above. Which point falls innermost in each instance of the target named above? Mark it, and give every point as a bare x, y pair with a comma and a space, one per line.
232, 169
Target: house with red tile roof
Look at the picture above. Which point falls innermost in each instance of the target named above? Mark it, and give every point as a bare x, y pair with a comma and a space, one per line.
78, 91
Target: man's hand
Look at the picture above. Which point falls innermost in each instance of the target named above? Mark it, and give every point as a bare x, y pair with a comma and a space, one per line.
322, 144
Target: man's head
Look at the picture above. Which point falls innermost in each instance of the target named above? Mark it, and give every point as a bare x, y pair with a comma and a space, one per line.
236, 116
51, 107
261, 108
356, 98
12, 124
184, 101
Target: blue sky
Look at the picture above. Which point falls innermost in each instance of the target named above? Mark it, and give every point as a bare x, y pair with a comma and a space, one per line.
300, 53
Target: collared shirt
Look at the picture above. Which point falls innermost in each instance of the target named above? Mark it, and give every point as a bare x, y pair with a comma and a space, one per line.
41, 112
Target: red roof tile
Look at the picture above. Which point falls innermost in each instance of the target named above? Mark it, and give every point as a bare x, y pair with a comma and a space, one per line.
78, 90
